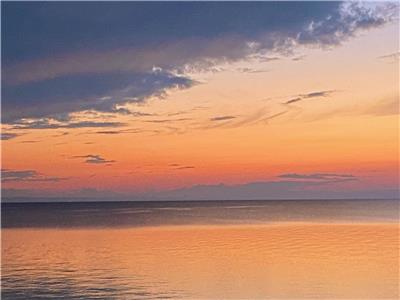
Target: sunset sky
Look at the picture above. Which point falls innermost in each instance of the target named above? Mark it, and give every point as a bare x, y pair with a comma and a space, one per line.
191, 100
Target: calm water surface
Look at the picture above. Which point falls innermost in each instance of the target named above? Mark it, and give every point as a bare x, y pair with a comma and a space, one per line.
201, 250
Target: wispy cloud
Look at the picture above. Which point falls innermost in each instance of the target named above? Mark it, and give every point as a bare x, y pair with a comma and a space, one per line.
8, 135
52, 124
27, 175
320, 176
391, 56
298, 58
222, 118
30, 142
301, 97
111, 132
167, 120
94, 159
382, 107
252, 118
61, 134
385, 107
274, 116
122, 131
251, 71
261, 115
180, 167
268, 58
184, 167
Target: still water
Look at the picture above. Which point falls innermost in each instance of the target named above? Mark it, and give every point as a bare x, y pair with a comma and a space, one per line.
201, 250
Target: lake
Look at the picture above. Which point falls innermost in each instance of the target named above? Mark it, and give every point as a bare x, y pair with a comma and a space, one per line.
317, 249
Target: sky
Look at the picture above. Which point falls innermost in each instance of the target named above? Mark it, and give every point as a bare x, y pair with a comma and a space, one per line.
200, 100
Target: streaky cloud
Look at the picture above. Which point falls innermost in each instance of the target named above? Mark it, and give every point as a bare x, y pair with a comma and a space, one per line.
222, 118
167, 120
318, 94
8, 175
385, 107
298, 58
30, 142
274, 116
8, 135
124, 131
46, 124
178, 167
94, 159
251, 71
319, 176
395, 55
184, 168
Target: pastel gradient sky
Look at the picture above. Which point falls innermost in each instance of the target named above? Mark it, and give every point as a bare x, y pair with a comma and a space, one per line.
192, 100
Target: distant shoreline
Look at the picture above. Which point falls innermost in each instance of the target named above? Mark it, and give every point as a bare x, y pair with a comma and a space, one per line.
43, 200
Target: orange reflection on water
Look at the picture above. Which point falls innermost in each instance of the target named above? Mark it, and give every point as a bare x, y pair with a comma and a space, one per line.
297, 260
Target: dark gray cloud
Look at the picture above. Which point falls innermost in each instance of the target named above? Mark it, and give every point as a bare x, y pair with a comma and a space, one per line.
320, 176
94, 159
8, 135
301, 97
222, 118
85, 92
130, 51
124, 24
48, 124
26, 175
